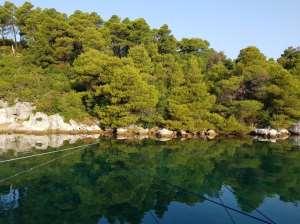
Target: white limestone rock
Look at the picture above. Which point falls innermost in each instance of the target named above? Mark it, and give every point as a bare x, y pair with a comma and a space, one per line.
20, 111
165, 133
131, 131
185, 134
273, 133
142, 131
75, 126
93, 128
211, 134
7, 115
137, 130
122, 131
23, 110
283, 133
38, 122
21, 118
3, 104
261, 131
56, 123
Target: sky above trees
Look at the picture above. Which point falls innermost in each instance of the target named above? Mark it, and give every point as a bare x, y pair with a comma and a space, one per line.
271, 25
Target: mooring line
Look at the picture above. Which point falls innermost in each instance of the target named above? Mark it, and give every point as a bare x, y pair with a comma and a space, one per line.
154, 217
258, 211
223, 205
45, 153
226, 210
81, 146
43, 164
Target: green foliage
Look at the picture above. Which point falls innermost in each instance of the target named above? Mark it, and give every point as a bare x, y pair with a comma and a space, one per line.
290, 60
228, 89
232, 126
49, 90
123, 182
124, 72
189, 102
165, 40
193, 46
123, 98
250, 56
141, 59
69, 105
247, 111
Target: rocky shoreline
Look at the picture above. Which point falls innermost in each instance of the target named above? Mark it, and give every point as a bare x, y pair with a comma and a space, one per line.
21, 118
280, 134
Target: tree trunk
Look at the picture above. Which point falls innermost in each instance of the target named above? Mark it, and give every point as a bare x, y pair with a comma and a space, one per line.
15, 34
14, 28
13, 50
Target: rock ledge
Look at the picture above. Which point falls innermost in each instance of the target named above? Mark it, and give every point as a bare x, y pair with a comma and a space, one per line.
22, 118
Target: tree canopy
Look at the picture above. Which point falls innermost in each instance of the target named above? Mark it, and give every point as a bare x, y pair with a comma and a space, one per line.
123, 72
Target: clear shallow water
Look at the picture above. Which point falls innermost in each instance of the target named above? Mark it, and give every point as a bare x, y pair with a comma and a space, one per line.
225, 181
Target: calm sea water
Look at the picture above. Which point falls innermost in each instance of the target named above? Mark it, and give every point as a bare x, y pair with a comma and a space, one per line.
224, 181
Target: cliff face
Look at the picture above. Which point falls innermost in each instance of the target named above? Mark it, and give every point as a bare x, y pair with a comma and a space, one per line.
22, 118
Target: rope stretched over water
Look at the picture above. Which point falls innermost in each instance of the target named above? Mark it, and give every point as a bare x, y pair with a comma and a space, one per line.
226, 210
154, 217
222, 205
82, 146
258, 211
46, 153
46, 163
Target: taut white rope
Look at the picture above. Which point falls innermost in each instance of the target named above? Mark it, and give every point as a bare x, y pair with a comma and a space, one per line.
46, 153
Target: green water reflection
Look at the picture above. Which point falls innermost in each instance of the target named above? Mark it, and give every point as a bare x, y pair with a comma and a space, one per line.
117, 182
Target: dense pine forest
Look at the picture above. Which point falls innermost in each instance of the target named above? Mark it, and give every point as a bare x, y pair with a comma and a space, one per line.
124, 72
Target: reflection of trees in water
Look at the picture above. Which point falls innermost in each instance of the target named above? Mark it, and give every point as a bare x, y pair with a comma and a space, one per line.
124, 181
